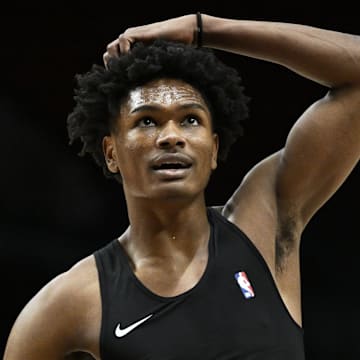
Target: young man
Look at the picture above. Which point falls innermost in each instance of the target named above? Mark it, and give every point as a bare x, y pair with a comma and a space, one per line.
186, 281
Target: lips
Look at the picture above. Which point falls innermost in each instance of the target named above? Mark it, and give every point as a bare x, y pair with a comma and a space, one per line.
169, 167
175, 161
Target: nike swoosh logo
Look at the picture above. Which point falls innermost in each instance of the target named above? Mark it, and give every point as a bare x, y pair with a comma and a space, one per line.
119, 332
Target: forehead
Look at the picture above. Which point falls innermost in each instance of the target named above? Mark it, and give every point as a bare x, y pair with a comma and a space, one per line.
164, 92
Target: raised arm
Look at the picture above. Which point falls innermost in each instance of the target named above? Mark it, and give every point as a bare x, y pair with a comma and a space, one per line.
317, 54
324, 144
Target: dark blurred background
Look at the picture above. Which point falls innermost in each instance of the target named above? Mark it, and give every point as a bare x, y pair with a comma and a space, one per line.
57, 208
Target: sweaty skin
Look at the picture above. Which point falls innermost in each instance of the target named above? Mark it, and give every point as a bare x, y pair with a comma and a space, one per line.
164, 116
161, 118
272, 205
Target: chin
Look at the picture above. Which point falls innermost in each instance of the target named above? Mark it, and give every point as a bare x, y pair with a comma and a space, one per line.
175, 191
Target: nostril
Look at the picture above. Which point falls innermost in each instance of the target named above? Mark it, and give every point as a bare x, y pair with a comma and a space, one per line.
170, 141
163, 143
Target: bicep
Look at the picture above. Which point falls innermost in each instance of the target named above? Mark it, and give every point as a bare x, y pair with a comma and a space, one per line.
39, 332
321, 150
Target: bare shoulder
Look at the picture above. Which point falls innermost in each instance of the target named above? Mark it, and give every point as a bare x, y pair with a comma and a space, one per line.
79, 284
57, 318
254, 202
256, 209
84, 273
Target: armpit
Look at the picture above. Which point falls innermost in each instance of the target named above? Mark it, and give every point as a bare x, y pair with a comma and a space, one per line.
287, 239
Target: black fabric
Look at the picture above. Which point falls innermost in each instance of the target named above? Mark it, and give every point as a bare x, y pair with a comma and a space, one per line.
213, 320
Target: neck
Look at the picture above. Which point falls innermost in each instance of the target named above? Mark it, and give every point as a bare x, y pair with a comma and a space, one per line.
166, 228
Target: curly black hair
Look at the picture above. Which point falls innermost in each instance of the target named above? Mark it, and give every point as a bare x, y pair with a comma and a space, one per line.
99, 92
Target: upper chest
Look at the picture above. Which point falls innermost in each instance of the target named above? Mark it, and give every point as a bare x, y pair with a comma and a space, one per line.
233, 308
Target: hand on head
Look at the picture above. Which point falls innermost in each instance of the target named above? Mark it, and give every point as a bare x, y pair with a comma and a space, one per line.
181, 29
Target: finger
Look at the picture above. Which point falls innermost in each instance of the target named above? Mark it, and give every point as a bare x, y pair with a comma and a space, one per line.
124, 43
106, 58
113, 48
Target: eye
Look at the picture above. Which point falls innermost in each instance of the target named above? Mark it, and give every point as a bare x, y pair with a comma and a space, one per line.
146, 122
190, 121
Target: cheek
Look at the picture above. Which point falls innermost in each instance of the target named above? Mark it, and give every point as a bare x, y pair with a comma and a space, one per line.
135, 141
205, 149
131, 149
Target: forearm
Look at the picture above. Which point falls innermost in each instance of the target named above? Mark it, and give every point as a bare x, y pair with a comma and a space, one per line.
327, 57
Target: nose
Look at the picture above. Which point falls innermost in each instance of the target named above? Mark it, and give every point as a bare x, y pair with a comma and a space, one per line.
170, 136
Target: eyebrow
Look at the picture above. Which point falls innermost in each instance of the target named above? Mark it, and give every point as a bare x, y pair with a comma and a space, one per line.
158, 107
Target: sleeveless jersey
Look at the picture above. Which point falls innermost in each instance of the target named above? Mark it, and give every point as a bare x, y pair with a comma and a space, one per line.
234, 311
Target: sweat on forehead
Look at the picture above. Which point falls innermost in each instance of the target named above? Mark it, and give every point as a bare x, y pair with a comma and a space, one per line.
163, 92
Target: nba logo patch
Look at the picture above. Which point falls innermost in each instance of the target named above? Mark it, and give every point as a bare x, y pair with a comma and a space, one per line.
244, 284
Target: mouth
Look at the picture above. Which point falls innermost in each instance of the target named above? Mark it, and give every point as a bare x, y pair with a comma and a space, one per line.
172, 166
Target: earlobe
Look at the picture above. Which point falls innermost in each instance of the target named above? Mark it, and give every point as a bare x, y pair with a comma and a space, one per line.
110, 154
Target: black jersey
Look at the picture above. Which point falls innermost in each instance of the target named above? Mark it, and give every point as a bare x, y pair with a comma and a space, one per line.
234, 312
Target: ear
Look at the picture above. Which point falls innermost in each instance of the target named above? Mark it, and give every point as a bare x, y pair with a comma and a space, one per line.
215, 151
110, 154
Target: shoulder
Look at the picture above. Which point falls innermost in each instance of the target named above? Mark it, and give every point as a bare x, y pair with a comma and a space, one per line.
69, 294
84, 273
77, 292
56, 318
75, 284
256, 201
